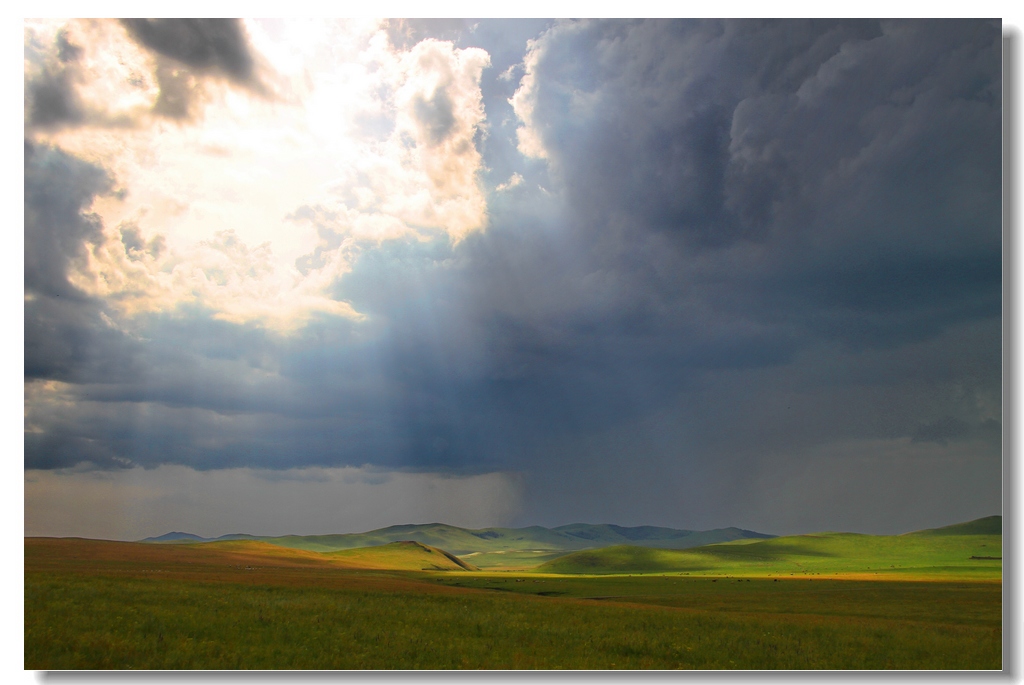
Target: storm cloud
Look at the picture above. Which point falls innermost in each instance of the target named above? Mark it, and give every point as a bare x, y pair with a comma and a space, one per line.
51, 96
749, 273
188, 48
201, 44
66, 337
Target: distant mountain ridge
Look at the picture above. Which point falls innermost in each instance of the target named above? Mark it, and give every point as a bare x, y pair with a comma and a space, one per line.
571, 537
178, 537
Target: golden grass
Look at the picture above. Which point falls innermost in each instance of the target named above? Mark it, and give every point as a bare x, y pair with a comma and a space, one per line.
94, 604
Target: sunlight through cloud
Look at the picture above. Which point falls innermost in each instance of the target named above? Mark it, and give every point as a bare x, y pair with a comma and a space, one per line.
381, 139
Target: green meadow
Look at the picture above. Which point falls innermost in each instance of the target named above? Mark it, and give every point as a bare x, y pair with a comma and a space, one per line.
961, 556
253, 605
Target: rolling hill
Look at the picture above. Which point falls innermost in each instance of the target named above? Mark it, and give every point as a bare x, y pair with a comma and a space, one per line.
176, 536
990, 525
401, 556
465, 541
964, 549
229, 556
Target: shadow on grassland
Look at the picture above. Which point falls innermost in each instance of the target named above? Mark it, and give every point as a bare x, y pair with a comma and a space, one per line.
780, 551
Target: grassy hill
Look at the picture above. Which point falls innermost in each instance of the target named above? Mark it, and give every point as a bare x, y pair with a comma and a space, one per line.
496, 547
395, 556
652, 536
532, 544
401, 556
990, 525
464, 541
973, 549
451, 538
169, 558
246, 555
951, 551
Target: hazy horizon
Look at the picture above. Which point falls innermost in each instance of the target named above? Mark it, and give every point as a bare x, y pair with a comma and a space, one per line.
434, 523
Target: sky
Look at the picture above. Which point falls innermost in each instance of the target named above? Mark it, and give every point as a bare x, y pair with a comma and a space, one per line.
311, 276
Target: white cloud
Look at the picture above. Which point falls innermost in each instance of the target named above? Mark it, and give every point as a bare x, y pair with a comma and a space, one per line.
135, 503
509, 73
523, 102
439, 107
513, 181
383, 139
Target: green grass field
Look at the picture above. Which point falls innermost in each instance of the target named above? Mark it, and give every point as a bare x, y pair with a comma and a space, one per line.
515, 559
828, 554
76, 622
251, 605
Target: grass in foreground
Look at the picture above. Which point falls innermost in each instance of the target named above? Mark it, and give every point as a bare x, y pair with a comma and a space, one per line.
93, 605
975, 603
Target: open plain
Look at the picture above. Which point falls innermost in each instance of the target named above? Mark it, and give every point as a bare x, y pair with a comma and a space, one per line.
93, 604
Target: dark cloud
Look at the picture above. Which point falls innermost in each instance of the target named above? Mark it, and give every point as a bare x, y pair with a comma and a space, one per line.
59, 189
66, 50
725, 130
848, 161
948, 428
65, 339
179, 90
435, 115
204, 45
189, 50
788, 231
65, 335
766, 254
51, 100
135, 246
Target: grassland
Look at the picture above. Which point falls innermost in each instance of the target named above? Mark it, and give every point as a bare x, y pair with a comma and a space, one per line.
464, 541
402, 556
826, 554
251, 605
511, 560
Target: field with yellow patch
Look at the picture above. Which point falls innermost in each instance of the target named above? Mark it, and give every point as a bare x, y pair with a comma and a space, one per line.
250, 605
